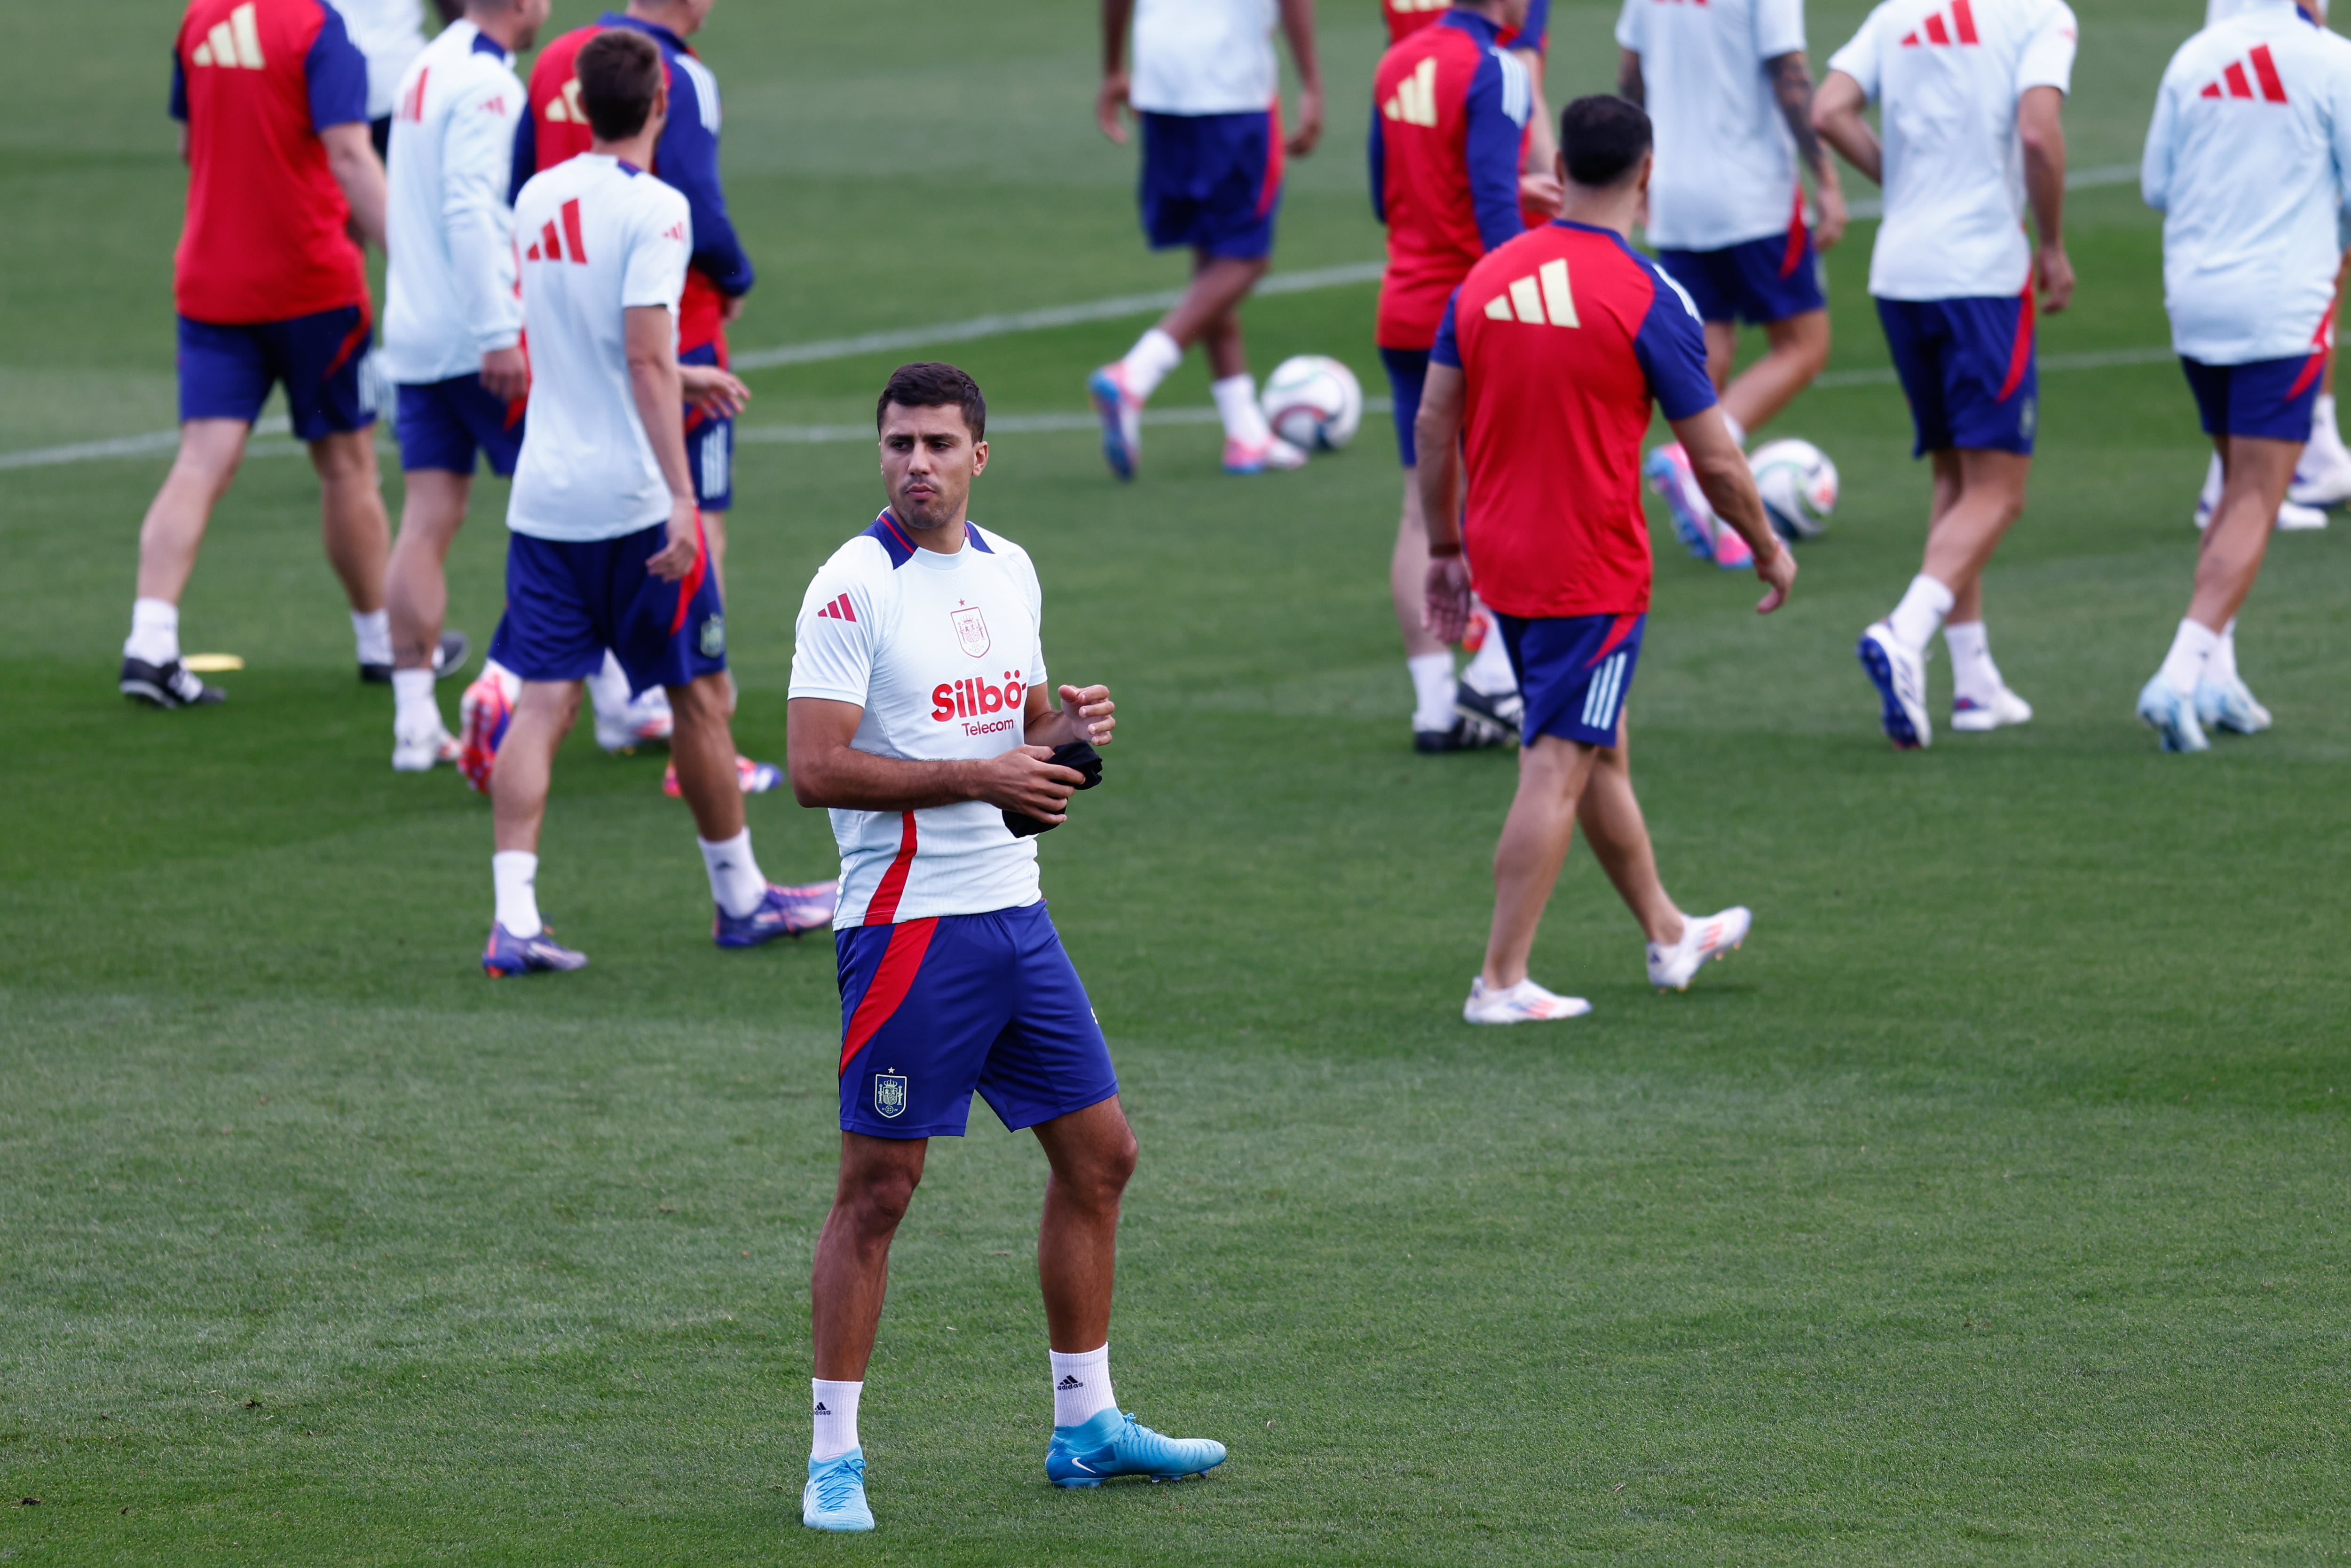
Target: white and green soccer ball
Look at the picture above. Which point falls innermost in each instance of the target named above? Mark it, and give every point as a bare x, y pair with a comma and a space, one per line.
1313, 402
1798, 487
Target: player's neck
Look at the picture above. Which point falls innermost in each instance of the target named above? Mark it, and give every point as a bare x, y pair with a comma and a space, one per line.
660, 16
502, 24
1614, 207
635, 151
945, 538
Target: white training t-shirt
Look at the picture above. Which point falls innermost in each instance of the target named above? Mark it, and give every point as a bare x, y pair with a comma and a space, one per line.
941, 652
2249, 261
596, 236
389, 33
1725, 171
1203, 57
449, 293
1947, 75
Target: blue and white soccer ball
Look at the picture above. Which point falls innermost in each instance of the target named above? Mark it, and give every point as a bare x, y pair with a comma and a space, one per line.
1798, 487
1313, 401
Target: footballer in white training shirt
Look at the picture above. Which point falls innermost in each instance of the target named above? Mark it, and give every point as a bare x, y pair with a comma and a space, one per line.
606, 547
1971, 94
2249, 273
920, 717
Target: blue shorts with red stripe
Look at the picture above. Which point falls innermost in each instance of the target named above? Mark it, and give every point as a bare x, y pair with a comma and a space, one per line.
444, 425
1407, 374
1759, 281
570, 600
1574, 672
1967, 366
1212, 182
933, 1010
227, 371
2272, 399
709, 443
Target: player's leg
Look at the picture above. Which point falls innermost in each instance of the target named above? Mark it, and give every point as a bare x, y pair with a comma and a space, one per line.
330, 399
2322, 477
846, 1287
1776, 282
520, 942
169, 538
1610, 815
2189, 694
416, 593
1527, 857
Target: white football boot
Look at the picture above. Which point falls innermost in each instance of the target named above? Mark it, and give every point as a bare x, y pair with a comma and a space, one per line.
1704, 937
2322, 477
2229, 705
2171, 713
1900, 677
420, 751
644, 720
1976, 715
1525, 1002
2294, 516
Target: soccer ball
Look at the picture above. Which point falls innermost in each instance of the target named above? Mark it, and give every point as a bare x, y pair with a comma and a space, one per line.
1799, 486
1313, 401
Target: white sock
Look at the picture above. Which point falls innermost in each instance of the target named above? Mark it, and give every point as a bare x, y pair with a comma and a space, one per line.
1236, 401
154, 631
515, 874
1737, 430
414, 711
2323, 432
608, 689
371, 629
1432, 690
1490, 673
1081, 1385
736, 883
2220, 664
2190, 647
1973, 675
1921, 611
836, 1417
1148, 364
2207, 498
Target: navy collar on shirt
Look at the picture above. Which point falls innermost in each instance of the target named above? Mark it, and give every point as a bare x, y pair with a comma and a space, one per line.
622, 19
1471, 23
486, 44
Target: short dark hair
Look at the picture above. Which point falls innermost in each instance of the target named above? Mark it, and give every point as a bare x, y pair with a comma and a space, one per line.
619, 73
1603, 138
928, 383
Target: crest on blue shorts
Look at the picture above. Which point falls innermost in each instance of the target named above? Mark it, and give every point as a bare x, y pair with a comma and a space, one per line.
889, 1095
714, 636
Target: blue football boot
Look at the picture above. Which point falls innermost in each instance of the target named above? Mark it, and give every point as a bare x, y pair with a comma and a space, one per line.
509, 954
1112, 1445
1121, 412
834, 1498
781, 911
1667, 469
2171, 713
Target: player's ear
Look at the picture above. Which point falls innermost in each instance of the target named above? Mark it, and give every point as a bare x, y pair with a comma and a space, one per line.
979, 458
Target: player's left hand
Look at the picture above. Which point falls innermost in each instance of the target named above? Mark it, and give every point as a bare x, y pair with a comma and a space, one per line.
1108, 101
1447, 615
1779, 575
506, 374
675, 559
730, 305
1089, 710
2054, 273
1541, 194
1310, 123
713, 391
1828, 217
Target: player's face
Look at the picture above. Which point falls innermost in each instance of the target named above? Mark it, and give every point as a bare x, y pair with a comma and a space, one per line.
1514, 12
928, 461
532, 14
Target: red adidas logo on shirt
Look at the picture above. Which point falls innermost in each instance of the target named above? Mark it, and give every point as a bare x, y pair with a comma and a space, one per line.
2232, 83
1960, 29
549, 247
411, 106
839, 610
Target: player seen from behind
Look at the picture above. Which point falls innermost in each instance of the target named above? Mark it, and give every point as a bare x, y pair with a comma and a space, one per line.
1971, 94
1546, 364
920, 716
606, 550
2249, 270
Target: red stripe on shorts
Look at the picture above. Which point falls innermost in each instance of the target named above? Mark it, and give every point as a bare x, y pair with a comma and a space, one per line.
2020, 353
1795, 251
691, 584
883, 907
892, 979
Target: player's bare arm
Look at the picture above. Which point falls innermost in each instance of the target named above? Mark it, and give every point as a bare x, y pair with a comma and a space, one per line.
652, 345
1538, 180
1437, 431
350, 157
1792, 84
1723, 474
1629, 84
1110, 101
2041, 126
827, 770
1837, 117
1297, 27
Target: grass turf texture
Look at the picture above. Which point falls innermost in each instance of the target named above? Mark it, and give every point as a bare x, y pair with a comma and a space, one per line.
1986, 1209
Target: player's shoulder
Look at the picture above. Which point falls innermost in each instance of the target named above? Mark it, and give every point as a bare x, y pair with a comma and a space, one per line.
868, 559
1011, 558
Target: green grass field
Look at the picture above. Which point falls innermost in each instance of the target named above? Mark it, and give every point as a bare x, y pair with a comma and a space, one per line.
1987, 1209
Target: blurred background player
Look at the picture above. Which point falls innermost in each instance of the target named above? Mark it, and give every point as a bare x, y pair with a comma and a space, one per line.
1545, 366
451, 327
270, 287
1727, 89
1527, 41
391, 35
1450, 108
606, 551
1971, 94
1207, 90
2248, 280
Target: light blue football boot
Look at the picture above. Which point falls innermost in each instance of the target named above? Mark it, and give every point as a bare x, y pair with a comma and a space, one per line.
2228, 704
834, 1498
2171, 713
1111, 1445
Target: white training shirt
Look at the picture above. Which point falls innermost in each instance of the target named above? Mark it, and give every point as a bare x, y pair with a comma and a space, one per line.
449, 293
1947, 75
2249, 260
1726, 169
941, 652
596, 238
389, 33
1203, 57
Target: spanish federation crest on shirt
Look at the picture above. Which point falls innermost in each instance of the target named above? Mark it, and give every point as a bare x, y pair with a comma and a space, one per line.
889, 1095
971, 630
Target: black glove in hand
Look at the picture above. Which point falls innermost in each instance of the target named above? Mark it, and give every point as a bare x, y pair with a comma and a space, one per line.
1076, 755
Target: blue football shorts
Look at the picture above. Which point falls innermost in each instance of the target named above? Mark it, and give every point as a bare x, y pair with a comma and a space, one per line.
1408, 373
1212, 182
1759, 281
1574, 672
567, 600
2272, 399
1967, 367
710, 444
443, 425
227, 371
932, 1010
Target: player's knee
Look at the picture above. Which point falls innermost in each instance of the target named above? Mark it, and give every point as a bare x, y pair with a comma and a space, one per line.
880, 1200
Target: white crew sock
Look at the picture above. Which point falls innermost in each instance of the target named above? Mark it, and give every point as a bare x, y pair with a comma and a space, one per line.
1148, 364
2208, 499
1490, 673
1081, 1385
514, 874
1737, 430
608, 689
2323, 432
835, 1405
154, 631
371, 629
735, 884
414, 711
2220, 664
1921, 611
1236, 401
1973, 675
2190, 648
1432, 690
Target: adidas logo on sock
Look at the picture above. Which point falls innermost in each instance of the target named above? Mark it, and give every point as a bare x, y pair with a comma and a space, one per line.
1066, 1384
821, 1408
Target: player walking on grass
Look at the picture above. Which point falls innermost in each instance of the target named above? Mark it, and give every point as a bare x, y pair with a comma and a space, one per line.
1727, 87
451, 327
1545, 366
1207, 92
1450, 110
2249, 269
270, 285
1971, 94
606, 547
920, 716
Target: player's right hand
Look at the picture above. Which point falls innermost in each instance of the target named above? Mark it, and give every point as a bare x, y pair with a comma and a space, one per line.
1779, 575
1541, 193
677, 558
2054, 272
1107, 104
1024, 779
1828, 217
1446, 614
714, 391
506, 374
